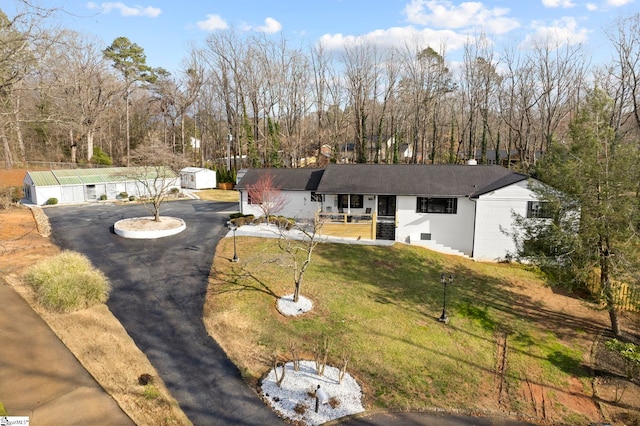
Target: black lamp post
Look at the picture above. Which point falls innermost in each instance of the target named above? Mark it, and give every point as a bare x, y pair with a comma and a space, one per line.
233, 227
443, 281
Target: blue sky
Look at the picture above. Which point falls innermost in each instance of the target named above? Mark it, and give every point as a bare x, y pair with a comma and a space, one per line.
165, 28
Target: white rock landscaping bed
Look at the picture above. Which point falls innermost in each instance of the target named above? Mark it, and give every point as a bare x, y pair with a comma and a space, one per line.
286, 306
298, 389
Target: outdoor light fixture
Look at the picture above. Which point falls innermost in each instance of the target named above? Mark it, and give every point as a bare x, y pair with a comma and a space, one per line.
443, 281
232, 226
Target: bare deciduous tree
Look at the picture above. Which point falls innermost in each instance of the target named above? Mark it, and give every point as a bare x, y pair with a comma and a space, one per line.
155, 176
623, 79
360, 61
20, 35
300, 250
320, 355
84, 89
277, 362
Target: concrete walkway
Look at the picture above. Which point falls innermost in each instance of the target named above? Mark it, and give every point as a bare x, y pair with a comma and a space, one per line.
40, 378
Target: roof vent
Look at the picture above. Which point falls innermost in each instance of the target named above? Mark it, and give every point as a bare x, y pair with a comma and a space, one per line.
472, 162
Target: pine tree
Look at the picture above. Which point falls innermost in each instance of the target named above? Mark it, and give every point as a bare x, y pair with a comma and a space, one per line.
591, 188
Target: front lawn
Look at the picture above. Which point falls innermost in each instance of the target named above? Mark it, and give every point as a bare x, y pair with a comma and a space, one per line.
379, 306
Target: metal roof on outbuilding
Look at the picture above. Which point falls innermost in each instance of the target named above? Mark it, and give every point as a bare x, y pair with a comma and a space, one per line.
195, 170
96, 176
43, 178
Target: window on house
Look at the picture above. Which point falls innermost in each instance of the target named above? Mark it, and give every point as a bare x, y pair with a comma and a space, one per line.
437, 205
538, 209
249, 199
316, 197
357, 201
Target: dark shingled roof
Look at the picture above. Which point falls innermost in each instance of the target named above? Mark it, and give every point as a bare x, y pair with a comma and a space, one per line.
286, 179
440, 180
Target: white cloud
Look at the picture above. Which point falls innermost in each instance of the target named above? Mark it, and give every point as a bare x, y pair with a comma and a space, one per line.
618, 3
125, 10
400, 37
558, 3
562, 31
212, 23
592, 7
445, 14
270, 26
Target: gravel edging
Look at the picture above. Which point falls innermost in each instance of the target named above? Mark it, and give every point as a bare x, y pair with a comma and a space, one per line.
42, 221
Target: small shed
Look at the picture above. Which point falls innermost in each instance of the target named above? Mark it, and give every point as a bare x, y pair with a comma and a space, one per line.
198, 178
82, 185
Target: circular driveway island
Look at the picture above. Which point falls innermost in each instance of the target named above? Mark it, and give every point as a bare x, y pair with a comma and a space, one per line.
146, 227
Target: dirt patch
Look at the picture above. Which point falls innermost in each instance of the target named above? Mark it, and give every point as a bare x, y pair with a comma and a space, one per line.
578, 324
11, 177
94, 335
618, 397
21, 245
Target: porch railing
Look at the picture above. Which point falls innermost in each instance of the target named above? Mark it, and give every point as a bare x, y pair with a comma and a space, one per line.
346, 217
348, 225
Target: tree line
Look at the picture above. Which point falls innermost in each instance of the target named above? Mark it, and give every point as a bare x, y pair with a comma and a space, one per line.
259, 101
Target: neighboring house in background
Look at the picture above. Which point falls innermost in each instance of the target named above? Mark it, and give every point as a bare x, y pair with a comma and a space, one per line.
346, 153
457, 209
505, 158
405, 151
82, 185
197, 178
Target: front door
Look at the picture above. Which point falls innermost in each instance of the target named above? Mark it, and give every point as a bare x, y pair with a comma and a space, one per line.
387, 205
386, 224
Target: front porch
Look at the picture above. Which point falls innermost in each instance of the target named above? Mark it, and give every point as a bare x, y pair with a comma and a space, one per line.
348, 225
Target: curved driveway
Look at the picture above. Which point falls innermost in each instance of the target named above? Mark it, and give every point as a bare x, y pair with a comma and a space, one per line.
158, 292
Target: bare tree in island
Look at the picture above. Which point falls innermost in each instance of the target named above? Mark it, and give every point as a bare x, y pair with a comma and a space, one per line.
300, 250
297, 239
155, 176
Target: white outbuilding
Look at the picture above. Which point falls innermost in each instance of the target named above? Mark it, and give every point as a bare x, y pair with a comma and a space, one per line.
82, 185
197, 178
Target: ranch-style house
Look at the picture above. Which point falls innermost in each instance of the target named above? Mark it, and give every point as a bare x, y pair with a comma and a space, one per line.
459, 209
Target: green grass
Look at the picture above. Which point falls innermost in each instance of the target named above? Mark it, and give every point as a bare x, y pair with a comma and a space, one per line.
151, 392
67, 282
380, 305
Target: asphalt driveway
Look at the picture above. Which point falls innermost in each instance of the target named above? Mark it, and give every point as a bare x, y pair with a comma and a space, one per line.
158, 292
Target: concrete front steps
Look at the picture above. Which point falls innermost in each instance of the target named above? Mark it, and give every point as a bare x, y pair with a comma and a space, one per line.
435, 246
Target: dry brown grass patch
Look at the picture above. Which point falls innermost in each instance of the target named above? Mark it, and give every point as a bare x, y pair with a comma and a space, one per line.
94, 335
224, 327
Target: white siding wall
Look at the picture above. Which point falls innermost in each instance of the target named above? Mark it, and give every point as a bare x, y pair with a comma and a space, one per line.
200, 179
495, 217
72, 194
69, 194
298, 205
451, 230
205, 179
40, 194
